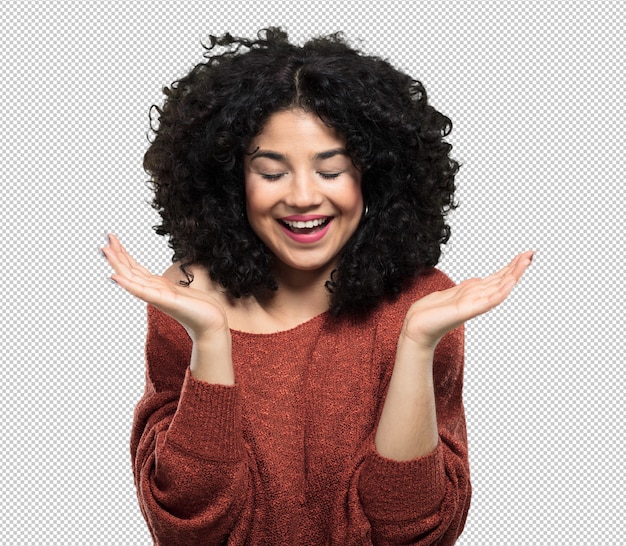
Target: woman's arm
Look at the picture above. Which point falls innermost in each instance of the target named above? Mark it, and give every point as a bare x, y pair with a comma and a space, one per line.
415, 485
408, 424
425, 500
189, 460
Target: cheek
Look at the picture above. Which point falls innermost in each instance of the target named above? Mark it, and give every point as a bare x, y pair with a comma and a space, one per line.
258, 209
354, 198
254, 198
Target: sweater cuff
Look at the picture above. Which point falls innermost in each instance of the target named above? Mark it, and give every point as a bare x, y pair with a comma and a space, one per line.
207, 422
399, 489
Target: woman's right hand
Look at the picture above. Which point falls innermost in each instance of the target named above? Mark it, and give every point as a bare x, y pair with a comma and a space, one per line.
198, 312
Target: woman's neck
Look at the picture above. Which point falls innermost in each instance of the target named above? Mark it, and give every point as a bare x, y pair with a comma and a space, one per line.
299, 298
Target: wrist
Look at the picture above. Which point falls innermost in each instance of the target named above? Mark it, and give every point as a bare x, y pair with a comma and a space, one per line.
207, 341
211, 359
421, 349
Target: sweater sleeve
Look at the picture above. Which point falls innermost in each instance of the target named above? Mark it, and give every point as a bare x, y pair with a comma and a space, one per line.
187, 448
426, 500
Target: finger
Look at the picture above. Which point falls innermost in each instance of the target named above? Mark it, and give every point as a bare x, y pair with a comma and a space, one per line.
115, 248
119, 250
496, 278
488, 293
114, 242
516, 269
118, 261
525, 259
513, 271
122, 261
136, 281
511, 274
141, 289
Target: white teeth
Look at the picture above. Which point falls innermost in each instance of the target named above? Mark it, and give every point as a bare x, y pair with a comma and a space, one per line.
308, 224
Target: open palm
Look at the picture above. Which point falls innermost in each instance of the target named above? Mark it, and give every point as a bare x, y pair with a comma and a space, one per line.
200, 313
433, 316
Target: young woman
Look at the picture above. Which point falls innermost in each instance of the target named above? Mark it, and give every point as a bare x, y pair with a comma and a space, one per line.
304, 359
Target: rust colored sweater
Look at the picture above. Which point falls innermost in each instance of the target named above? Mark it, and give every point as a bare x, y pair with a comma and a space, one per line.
286, 456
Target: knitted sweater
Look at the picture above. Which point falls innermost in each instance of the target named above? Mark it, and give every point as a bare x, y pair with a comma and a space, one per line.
286, 456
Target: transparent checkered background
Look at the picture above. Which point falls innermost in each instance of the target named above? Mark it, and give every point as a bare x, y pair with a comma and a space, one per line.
535, 91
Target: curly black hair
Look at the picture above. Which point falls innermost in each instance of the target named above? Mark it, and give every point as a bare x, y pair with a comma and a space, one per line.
392, 134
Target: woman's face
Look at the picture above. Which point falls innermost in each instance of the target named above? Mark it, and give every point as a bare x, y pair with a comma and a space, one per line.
303, 194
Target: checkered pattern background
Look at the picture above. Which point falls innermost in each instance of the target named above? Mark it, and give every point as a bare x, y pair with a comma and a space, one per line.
535, 92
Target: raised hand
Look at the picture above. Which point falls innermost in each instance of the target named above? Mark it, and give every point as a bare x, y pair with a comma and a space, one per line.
200, 314
433, 316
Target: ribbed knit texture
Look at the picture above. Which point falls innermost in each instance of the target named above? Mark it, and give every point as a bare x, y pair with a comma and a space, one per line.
286, 456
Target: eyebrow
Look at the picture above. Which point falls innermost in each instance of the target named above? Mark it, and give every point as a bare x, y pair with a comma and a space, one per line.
327, 154
331, 153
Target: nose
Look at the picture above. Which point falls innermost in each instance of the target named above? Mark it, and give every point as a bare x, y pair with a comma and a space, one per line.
303, 191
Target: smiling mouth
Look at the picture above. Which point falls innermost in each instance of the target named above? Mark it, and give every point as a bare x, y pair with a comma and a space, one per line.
310, 226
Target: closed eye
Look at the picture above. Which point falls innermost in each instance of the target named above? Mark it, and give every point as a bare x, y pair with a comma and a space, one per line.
330, 176
271, 176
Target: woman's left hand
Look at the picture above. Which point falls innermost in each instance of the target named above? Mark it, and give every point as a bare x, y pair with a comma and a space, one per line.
433, 316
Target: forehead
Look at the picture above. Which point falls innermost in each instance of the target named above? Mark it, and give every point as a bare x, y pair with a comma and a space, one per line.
287, 128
